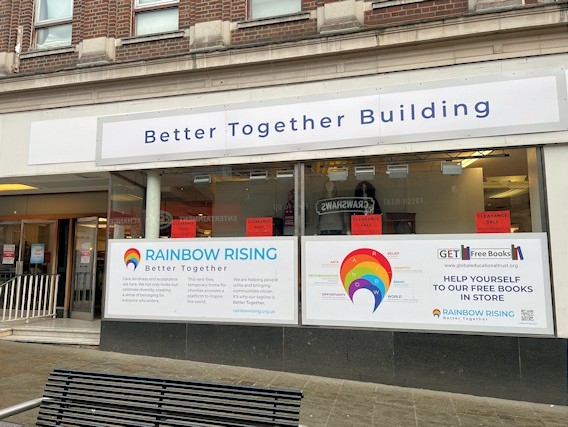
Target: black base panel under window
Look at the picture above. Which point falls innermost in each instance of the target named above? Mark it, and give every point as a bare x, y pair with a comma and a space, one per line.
530, 369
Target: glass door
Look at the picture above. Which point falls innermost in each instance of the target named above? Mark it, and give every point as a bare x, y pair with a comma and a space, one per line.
37, 248
84, 269
27, 247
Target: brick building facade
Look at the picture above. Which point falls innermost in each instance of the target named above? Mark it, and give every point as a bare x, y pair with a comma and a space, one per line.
70, 69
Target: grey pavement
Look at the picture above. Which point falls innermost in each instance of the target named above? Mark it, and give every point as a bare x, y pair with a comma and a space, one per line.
24, 368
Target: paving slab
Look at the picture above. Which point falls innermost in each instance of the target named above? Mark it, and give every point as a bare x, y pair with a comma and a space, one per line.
328, 402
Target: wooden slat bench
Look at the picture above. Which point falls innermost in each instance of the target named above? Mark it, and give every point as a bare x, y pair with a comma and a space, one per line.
82, 398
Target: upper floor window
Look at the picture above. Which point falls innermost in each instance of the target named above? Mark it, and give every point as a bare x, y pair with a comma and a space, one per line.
53, 23
267, 8
156, 16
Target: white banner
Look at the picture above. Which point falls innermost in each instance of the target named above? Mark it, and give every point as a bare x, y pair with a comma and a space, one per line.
440, 110
253, 280
491, 283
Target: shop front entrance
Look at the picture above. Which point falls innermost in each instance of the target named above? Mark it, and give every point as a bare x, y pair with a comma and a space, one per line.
63, 256
88, 268
27, 248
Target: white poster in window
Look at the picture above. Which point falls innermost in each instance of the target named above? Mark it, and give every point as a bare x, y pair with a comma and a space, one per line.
463, 283
85, 253
37, 253
239, 280
9, 254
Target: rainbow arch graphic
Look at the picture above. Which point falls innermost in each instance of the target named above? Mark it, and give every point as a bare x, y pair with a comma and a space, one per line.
132, 257
366, 269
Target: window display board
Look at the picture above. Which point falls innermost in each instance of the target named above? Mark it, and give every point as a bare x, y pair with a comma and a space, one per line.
214, 280
484, 283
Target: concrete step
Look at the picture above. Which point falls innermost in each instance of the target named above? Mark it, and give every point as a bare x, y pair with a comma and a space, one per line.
44, 335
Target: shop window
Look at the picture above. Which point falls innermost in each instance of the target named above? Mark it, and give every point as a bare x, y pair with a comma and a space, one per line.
156, 16
229, 202
268, 8
127, 204
53, 23
432, 193
424, 193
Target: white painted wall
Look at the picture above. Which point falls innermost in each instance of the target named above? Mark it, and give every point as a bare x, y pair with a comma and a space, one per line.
67, 133
556, 173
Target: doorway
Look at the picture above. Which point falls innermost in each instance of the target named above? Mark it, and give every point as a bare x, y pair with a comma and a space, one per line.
27, 248
88, 268
73, 249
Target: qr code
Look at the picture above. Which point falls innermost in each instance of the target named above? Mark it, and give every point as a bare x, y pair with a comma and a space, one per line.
527, 315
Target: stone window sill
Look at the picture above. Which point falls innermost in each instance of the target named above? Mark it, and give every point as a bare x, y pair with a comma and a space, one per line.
152, 37
388, 3
43, 52
300, 16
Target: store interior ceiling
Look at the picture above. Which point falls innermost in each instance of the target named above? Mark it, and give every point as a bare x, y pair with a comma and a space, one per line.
499, 176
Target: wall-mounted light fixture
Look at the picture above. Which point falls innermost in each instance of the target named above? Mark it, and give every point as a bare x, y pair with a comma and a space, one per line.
285, 174
338, 173
202, 179
451, 168
364, 172
397, 171
259, 176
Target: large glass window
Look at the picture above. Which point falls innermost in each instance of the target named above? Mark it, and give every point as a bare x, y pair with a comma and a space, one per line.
430, 193
156, 16
267, 8
127, 204
220, 201
53, 23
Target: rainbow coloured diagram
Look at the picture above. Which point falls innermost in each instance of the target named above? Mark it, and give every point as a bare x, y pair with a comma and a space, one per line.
366, 269
132, 257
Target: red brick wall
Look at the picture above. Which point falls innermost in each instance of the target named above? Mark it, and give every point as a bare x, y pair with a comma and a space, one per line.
152, 49
207, 10
113, 18
275, 32
238, 10
122, 19
92, 19
7, 30
22, 14
45, 63
415, 12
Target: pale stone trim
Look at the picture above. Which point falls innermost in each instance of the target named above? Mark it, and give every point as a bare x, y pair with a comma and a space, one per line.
99, 49
45, 52
341, 16
300, 16
6, 63
151, 37
389, 3
209, 35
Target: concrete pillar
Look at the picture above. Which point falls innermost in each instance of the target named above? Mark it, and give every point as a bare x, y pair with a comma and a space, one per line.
153, 193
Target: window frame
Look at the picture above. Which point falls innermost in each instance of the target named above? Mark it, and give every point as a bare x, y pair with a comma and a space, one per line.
152, 6
251, 14
42, 24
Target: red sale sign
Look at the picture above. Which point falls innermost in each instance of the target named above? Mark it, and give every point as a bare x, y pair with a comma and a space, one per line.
257, 227
493, 222
366, 224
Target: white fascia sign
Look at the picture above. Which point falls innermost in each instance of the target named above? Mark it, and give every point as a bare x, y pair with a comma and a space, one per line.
466, 108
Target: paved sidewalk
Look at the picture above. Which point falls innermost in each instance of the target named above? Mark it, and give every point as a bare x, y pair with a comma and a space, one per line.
327, 402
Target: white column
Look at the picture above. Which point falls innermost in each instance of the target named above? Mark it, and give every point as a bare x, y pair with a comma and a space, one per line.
153, 190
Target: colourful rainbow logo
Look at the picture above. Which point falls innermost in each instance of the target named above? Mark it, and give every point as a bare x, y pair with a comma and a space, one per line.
436, 312
132, 257
366, 269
